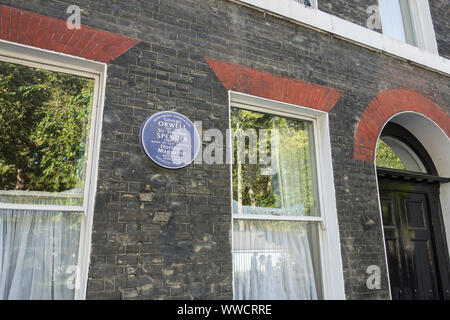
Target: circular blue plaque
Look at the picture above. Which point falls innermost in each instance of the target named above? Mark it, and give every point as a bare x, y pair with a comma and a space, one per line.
170, 139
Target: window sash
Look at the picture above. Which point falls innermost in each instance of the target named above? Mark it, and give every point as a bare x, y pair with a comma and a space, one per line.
38, 58
277, 218
92, 136
330, 250
37, 207
316, 220
317, 179
408, 22
315, 250
397, 20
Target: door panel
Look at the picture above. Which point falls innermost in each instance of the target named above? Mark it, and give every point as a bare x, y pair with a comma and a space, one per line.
414, 213
423, 276
392, 239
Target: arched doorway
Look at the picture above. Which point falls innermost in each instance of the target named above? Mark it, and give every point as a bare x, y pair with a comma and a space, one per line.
414, 229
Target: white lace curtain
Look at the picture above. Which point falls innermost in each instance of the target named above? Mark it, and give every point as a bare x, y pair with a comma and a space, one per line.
272, 260
37, 249
294, 167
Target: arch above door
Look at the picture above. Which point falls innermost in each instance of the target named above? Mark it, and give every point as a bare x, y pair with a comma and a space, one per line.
413, 222
425, 120
384, 107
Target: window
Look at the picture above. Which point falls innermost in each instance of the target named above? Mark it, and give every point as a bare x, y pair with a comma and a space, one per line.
395, 154
408, 21
47, 132
397, 20
309, 3
280, 248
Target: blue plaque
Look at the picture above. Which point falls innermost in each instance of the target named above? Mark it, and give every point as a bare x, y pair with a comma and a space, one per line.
170, 139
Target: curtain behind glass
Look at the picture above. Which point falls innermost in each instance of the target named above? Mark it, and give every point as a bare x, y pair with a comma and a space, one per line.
295, 162
288, 186
274, 260
36, 250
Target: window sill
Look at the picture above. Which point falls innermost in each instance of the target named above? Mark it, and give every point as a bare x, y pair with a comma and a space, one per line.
352, 32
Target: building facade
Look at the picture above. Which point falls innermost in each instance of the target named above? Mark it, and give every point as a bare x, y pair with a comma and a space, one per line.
343, 75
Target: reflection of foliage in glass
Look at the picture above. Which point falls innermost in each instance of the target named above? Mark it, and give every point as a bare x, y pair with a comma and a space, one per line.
44, 120
250, 187
256, 188
387, 158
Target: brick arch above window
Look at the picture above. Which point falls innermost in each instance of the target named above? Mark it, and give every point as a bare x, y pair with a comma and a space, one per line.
52, 34
386, 105
266, 85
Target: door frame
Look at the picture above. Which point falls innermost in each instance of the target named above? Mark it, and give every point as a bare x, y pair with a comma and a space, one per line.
430, 189
399, 132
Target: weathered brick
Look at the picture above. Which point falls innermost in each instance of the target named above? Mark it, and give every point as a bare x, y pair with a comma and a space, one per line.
166, 71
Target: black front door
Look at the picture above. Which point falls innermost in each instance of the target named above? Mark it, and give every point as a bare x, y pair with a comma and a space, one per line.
415, 240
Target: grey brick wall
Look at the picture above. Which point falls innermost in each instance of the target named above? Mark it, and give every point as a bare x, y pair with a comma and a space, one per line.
162, 234
353, 10
440, 13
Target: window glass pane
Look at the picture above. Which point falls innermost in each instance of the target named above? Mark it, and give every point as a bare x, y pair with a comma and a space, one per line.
276, 260
391, 18
38, 254
44, 126
386, 157
274, 170
408, 23
395, 154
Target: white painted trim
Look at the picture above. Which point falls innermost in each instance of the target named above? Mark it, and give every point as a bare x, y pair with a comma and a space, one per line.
20, 206
55, 61
230, 141
330, 246
324, 22
334, 269
243, 100
380, 212
91, 180
277, 218
423, 25
49, 60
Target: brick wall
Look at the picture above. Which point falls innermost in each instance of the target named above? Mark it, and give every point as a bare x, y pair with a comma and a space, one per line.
440, 13
354, 10
162, 234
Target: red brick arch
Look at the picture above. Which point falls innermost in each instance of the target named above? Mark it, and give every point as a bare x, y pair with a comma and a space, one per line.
43, 32
387, 104
266, 85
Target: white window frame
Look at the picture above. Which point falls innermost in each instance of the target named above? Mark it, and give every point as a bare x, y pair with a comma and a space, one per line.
53, 61
330, 248
360, 35
422, 25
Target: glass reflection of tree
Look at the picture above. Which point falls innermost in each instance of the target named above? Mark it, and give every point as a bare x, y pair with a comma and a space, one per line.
250, 187
43, 128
